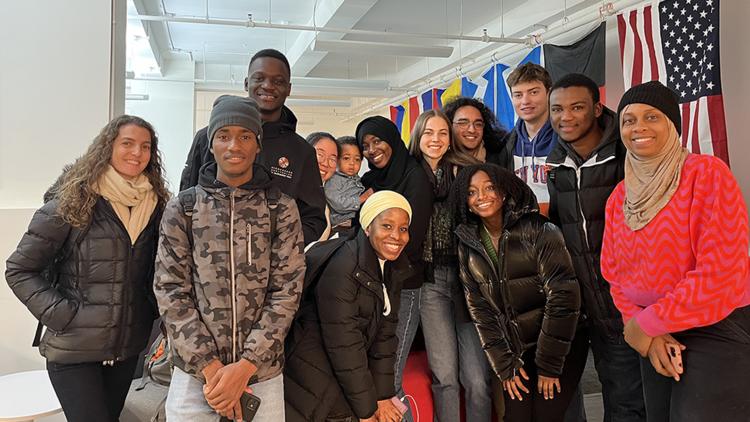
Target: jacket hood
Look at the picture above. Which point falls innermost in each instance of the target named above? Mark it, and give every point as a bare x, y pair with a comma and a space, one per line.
286, 123
544, 141
207, 178
610, 136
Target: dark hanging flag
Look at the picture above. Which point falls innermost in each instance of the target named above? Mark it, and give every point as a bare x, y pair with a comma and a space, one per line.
585, 56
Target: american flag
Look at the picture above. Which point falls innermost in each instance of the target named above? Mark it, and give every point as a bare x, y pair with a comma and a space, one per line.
677, 43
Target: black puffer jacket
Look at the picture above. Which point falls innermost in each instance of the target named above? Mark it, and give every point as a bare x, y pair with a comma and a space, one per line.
341, 349
103, 306
532, 299
578, 195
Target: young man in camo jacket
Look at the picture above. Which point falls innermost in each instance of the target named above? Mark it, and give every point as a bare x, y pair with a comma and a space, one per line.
228, 287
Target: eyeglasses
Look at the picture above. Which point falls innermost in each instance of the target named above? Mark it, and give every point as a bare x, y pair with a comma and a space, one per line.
464, 124
331, 160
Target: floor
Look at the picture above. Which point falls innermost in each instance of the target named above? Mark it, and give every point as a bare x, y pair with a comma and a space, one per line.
141, 405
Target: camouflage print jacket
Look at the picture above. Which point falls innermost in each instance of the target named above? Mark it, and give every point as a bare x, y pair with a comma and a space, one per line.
237, 271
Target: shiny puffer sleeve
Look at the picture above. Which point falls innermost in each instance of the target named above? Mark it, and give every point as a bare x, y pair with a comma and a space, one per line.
563, 300
37, 249
486, 318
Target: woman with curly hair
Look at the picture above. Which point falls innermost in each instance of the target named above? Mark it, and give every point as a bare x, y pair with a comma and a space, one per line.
84, 268
477, 131
521, 291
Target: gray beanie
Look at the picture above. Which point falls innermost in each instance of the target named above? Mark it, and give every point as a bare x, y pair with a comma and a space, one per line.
231, 110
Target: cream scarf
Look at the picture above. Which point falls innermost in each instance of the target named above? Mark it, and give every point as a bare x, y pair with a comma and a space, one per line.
650, 183
133, 200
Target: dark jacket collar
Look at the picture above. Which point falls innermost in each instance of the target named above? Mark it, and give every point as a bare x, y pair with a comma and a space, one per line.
287, 123
367, 261
207, 179
606, 148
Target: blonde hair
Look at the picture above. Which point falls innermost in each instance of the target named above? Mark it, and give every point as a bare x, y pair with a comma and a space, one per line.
75, 191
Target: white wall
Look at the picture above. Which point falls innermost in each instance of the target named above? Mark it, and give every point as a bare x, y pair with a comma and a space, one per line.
55, 84
309, 119
169, 109
735, 70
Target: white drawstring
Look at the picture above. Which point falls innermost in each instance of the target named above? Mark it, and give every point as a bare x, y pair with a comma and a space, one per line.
387, 307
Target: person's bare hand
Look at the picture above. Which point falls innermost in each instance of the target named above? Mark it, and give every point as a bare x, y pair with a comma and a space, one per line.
514, 386
637, 338
224, 390
387, 412
658, 354
366, 194
546, 386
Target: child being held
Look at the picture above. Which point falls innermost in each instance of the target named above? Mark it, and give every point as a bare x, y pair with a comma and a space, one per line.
344, 191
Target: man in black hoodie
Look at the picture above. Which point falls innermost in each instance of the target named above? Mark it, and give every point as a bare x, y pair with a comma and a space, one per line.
285, 154
586, 165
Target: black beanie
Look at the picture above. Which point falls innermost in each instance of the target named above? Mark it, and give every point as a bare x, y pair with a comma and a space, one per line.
655, 94
231, 110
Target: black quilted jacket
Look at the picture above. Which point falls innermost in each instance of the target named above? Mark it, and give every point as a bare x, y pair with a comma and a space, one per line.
342, 349
103, 306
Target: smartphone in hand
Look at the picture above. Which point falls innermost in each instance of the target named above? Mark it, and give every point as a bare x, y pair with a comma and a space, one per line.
675, 356
400, 406
249, 404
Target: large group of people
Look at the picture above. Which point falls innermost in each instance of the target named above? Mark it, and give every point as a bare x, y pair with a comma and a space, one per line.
279, 274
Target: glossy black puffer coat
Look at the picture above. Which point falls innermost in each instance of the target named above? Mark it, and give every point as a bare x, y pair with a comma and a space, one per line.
531, 298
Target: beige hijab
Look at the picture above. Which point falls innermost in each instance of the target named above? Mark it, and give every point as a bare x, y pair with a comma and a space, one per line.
133, 200
650, 183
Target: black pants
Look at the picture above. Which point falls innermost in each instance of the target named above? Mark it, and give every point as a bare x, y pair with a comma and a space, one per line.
716, 381
533, 407
92, 392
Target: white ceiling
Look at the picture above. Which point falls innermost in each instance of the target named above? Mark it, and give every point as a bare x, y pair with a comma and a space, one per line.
220, 53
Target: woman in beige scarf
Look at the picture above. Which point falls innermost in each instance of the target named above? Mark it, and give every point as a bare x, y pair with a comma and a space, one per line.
84, 268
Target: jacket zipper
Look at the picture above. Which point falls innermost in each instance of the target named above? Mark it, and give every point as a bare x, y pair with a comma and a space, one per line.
592, 272
513, 339
249, 235
125, 300
232, 275
512, 320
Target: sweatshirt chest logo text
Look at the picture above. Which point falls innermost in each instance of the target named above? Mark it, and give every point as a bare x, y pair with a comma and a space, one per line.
282, 169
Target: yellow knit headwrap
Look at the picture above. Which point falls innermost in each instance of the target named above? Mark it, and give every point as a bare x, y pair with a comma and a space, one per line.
379, 202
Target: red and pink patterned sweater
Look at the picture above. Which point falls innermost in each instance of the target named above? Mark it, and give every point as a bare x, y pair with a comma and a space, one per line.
689, 266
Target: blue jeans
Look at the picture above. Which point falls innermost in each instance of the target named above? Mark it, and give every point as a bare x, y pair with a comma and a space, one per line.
408, 322
186, 402
454, 352
619, 371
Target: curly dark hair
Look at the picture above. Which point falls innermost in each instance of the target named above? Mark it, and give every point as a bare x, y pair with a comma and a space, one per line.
493, 131
517, 193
